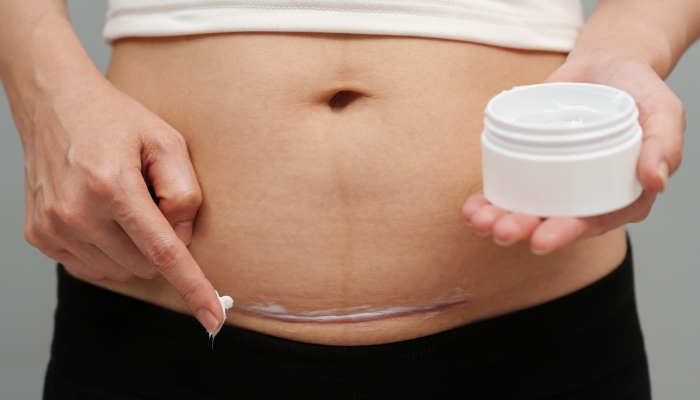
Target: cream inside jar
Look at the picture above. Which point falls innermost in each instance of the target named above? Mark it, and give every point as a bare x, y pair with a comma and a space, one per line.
561, 149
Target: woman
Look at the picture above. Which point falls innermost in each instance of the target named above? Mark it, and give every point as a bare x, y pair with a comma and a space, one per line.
316, 175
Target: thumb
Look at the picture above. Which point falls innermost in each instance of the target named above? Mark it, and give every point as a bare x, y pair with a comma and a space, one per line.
663, 124
175, 188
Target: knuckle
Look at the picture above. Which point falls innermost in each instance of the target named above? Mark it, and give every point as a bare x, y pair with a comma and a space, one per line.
676, 105
77, 268
122, 276
161, 254
91, 274
177, 143
31, 236
165, 140
642, 215
122, 208
44, 224
189, 291
59, 255
188, 199
70, 213
31, 239
102, 181
173, 140
676, 154
148, 273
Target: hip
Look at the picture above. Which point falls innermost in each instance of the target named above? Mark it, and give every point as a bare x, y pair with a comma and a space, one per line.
587, 344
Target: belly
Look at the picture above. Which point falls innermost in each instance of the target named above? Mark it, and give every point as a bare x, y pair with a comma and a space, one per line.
333, 170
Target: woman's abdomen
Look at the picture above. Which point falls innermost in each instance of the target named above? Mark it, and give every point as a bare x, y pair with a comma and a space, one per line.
333, 170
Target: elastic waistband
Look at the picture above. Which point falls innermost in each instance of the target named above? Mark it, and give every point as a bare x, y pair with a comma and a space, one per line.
110, 340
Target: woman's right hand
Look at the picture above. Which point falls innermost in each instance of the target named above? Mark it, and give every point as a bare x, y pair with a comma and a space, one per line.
89, 159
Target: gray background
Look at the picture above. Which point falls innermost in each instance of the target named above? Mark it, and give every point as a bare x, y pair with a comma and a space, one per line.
666, 254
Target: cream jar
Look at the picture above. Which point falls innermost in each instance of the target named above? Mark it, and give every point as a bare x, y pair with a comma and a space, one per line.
561, 149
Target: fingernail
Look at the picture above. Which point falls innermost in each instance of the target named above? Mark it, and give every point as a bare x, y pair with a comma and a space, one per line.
539, 252
482, 234
503, 244
207, 319
183, 230
663, 173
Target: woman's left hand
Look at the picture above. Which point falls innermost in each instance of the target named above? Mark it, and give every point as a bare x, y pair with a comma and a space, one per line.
662, 118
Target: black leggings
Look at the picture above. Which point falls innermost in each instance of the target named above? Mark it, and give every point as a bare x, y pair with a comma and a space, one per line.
586, 345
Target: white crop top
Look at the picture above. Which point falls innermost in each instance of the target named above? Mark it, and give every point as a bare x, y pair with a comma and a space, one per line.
524, 24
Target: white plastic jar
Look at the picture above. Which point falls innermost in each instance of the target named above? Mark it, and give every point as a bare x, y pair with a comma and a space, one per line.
561, 149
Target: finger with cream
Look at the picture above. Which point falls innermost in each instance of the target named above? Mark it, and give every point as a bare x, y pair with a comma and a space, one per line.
226, 303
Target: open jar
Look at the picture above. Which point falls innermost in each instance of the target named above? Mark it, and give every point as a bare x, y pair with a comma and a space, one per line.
561, 149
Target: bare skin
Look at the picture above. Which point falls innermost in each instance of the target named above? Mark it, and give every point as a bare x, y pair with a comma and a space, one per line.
310, 201
313, 205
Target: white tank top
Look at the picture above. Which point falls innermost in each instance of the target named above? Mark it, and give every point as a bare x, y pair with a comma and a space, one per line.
523, 24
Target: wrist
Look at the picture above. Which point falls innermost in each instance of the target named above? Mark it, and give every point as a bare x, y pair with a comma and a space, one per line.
655, 52
643, 30
48, 63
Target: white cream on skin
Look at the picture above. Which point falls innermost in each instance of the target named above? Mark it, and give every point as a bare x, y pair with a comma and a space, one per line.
354, 314
340, 315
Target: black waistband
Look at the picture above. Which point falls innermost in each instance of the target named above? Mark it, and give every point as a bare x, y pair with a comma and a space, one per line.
107, 340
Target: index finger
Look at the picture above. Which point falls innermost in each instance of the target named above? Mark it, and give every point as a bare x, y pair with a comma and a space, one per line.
141, 219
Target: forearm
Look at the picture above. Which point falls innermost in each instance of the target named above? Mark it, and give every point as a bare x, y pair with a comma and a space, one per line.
657, 32
40, 54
